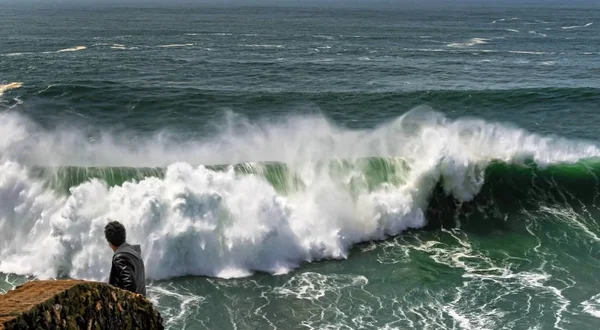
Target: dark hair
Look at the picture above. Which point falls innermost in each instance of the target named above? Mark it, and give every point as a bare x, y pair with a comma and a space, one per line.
115, 234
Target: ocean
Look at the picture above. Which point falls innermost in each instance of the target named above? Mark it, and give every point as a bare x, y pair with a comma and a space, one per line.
310, 167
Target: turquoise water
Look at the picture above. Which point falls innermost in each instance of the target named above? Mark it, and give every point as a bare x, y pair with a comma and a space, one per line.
310, 167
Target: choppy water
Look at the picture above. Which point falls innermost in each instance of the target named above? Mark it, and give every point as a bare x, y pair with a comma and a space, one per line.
310, 168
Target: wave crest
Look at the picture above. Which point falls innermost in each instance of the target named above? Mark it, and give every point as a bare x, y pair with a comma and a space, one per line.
320, 190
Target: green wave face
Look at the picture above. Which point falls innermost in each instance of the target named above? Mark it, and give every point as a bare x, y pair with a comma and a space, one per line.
508, 188
366, 174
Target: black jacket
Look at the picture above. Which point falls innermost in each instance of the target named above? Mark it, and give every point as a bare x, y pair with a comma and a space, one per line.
127, 271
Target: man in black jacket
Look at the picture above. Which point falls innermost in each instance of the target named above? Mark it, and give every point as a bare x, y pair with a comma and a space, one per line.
127, 271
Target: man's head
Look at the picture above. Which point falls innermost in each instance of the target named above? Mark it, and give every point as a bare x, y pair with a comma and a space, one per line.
115, 234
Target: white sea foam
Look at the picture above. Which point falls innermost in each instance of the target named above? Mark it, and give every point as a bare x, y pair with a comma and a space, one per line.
312, 286
15, 54
262, 46
9, 86
505, 19
199, 221
527, 52
426, 49
214, 34
512, 30
73, 49
592, 306
174, 45
323, 37
576, 26
466, 306
470, 43
187, 303
121, 47
538, 33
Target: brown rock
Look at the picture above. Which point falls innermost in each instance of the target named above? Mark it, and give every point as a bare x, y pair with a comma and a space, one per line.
74, 304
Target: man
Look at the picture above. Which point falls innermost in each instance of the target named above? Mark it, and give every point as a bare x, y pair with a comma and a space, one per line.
127, 271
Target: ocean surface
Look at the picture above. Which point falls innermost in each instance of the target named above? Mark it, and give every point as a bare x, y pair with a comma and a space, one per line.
310, 168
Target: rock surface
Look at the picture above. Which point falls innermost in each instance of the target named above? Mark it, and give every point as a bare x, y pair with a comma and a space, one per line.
74, 304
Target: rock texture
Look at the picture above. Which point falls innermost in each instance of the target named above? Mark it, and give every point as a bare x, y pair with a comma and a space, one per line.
73, 304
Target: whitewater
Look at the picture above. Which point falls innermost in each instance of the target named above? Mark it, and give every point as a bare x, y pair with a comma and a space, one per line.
411, 168
196, 220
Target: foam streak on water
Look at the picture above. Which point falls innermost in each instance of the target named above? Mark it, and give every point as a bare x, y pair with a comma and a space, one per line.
72, 49
470, 43
6, 87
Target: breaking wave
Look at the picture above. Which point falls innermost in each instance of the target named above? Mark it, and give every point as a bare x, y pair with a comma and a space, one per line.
263, 197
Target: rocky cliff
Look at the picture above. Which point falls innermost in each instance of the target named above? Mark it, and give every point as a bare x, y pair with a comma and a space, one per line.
73, 304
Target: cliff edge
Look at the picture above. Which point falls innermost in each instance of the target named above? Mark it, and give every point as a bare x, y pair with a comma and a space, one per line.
74, 304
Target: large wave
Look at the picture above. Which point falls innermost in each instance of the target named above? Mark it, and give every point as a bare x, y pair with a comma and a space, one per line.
258, 197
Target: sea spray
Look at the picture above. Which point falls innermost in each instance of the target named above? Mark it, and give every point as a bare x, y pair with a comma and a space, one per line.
198, 221
194, 218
